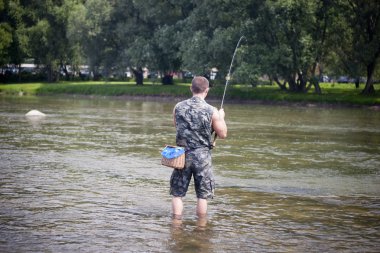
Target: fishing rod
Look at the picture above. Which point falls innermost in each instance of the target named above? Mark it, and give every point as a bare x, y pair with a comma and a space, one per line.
227, 80
229, 71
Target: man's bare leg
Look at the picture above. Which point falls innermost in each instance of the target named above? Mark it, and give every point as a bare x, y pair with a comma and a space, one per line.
202, 207
177, 207
202, 213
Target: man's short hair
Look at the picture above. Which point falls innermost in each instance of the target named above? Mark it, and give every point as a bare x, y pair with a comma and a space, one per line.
199, 84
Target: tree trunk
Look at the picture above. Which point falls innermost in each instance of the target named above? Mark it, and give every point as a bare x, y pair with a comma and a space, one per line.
49, 73
139, 75
282, 86
301, 84
369, 89
318, 89
314, 81
357, 82
292, 84
67, 75
167, 79
19, 72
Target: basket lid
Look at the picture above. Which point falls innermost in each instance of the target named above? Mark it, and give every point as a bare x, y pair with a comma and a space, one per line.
171, 152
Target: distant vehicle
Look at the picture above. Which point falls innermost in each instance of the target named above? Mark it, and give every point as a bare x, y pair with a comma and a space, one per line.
325, 79
29, 68
66, 69
187, 74
153, 75
343, 79
363, 79
8, 70
84, 72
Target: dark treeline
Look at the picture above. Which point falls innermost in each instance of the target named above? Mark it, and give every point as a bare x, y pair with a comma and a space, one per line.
293, 43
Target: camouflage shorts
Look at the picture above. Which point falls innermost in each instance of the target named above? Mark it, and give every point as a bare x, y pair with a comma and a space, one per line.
198, 164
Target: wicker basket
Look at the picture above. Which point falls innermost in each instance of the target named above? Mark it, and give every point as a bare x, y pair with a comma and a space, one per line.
176, 162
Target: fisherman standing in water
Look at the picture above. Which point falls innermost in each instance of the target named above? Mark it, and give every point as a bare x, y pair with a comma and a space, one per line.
195, 120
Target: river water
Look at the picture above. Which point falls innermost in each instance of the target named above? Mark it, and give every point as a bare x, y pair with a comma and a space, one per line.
87, 178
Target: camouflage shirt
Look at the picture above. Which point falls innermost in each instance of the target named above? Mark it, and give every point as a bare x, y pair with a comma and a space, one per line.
194, 123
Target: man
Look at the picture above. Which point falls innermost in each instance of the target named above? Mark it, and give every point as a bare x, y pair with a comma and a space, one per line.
195, 120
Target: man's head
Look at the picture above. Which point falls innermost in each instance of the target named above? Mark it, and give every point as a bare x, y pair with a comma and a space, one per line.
199, 85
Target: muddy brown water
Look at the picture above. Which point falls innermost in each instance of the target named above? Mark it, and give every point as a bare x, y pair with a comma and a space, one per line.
87, 178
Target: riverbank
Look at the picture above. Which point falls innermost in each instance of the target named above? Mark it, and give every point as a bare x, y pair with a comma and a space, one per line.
332, 94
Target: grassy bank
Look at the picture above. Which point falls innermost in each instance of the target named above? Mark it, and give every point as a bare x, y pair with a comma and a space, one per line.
345, 94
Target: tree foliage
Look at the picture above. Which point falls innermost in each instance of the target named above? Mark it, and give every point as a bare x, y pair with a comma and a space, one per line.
364, 18
292, 42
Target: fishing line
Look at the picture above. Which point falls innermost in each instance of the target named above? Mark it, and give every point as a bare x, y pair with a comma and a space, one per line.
229, 71
227, 80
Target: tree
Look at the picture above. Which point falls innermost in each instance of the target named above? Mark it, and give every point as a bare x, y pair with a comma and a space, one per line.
209, 34
88, 28
289, 42
293, 42
364, 19
48, 43
5, 33
340, 60
158, 40
13, 40
320, 33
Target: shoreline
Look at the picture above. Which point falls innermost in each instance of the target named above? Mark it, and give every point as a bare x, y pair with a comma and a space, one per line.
342, 96
212, 100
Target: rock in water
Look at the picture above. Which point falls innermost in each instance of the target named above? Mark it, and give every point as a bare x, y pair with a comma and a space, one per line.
35, 113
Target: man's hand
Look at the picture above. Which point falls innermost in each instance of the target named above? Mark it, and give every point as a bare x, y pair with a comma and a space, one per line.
222, 114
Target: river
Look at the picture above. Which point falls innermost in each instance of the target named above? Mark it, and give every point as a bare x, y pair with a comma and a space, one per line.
87, 178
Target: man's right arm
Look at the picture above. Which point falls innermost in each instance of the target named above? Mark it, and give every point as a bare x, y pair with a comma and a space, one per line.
218, 123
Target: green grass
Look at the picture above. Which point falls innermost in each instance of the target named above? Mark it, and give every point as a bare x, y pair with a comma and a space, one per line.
345, 94
113, 89
17, 89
